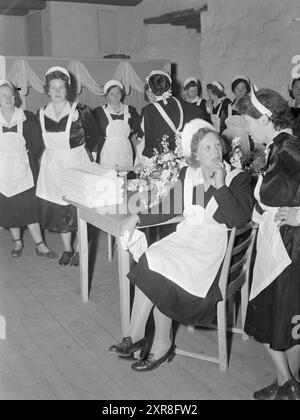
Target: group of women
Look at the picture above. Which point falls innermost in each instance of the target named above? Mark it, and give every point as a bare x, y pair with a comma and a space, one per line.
177, 277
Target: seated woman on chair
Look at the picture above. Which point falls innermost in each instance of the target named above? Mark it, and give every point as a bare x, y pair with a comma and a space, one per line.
178, 275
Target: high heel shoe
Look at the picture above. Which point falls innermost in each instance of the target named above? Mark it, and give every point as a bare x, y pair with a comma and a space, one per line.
48, 254
16, 253
127, 348
149, 363
267, 393
290, 390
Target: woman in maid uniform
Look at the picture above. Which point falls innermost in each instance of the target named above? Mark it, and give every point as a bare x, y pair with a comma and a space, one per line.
179, 274
274, 306
117, 123
164, 116
194, 105
21, 145
218, 106
70, 135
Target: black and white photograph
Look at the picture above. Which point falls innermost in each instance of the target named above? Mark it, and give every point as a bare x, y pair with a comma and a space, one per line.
149, 203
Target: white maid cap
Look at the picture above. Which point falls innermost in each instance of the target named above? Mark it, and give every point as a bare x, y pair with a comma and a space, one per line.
258, 105
154, 72
112, 83
189, 80
188, 132
218, 85
61, 69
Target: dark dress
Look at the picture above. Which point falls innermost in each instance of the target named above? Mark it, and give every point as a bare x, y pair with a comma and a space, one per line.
54, 217
193, 111
270, 314
154, 127
223, 110
22, 209
102, 123
296, 125
235, 207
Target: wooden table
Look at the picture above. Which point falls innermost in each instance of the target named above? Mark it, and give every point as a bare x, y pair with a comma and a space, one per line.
112, 225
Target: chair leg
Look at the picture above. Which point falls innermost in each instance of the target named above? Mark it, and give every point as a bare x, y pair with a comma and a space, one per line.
244, 304
222, 336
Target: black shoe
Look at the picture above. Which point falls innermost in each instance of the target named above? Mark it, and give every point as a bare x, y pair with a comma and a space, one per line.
267, 393
66, 257
127, 348
149, 363
75, 260
288, 391
16, 253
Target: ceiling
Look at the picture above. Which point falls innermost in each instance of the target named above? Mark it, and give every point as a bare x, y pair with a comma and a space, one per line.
23, 7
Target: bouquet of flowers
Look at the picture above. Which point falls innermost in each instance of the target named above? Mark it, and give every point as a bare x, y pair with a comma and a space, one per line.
159, 173
252, 162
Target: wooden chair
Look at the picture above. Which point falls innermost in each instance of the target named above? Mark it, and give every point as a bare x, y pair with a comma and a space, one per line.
240, 267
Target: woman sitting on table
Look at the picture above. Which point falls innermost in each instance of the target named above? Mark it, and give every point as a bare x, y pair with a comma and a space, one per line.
117, 123
179, 275
21, 145
274, 305
70, 135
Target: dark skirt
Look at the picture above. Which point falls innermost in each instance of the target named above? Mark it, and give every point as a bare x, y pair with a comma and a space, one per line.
172, 300
57, 218
19, 210
272, 315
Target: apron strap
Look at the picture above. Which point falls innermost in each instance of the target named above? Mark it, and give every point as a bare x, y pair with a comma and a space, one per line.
109, 117
126, 113
70, 118
42, 120
20, 128
168, 119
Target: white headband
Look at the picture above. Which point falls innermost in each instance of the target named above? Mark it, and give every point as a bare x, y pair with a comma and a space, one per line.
188, 132
189, 80
258, 105
154, 72
241, 77
61, 69
112, 83
5, 82
218, 85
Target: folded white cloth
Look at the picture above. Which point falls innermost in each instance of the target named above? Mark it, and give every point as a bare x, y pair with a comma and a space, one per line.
137, 245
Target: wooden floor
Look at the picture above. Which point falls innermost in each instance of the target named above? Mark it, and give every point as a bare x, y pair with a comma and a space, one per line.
56, 346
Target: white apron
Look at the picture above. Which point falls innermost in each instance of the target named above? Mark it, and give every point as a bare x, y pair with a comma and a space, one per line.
15, 172
272, 257
57, 156
215, 118
191, 257
117, 149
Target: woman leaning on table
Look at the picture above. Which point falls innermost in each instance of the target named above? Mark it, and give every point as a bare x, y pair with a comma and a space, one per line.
70, 135
21, 145
275, 293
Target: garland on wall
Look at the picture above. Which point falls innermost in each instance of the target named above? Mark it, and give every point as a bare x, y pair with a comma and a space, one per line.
23, 76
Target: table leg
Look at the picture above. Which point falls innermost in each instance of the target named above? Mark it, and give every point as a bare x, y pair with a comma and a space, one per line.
124, 286
84, 257
110, 247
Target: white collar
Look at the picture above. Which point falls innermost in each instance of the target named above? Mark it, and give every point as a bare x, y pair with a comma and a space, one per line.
50, 113
18, 116
111, 110
194, 101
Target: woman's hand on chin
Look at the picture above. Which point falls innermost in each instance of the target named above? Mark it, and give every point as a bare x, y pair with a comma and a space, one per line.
218, 174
